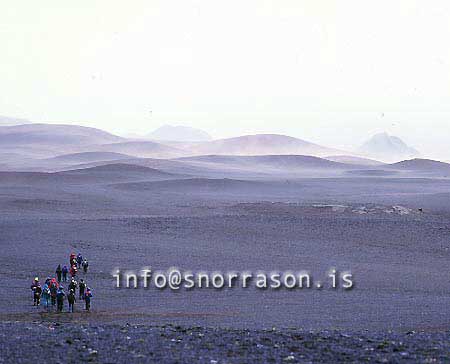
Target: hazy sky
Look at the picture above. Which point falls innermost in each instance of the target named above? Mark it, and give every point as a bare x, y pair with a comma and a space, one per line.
332, 72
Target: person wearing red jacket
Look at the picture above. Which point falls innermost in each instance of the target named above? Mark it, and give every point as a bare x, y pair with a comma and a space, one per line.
73, 271
73, 260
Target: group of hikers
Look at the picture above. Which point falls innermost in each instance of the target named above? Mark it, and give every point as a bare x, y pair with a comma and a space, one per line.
52, 292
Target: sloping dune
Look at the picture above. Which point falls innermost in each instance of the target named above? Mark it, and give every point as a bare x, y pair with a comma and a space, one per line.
372, 173
189, 184
24, 177
165, 165
142, 149
237, 167
348, 159
421, 165
102, 174
86, 157
119, 169
272, 161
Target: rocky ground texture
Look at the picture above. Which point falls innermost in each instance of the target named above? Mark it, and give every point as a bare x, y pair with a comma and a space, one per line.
65, 342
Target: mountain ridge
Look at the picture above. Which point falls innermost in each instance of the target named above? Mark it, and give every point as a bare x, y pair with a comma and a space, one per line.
262, 144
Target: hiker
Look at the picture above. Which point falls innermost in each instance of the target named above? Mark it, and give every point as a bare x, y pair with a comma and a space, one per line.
34, 284
73, 271
58, 272
46, 293
73, 285
72, 260
37, 291
53, 291
79, 260
82, 286
60, 298
85, 265
71, 299
87, 299
64, 273
37, 295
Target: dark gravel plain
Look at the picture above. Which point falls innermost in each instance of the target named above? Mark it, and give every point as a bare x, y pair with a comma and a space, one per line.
66, 342
398, 312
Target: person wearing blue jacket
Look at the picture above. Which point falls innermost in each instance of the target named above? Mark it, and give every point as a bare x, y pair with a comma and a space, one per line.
87, 299
46, 295
60, 295
65, 270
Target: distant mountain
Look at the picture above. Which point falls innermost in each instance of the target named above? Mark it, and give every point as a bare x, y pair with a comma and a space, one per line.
262, 144
50, 140
179, 134
6, 120
387, 148
54, 135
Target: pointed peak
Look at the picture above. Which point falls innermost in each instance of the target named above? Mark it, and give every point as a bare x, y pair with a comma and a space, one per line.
388, 148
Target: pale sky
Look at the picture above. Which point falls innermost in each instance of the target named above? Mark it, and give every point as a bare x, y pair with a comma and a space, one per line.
332, 72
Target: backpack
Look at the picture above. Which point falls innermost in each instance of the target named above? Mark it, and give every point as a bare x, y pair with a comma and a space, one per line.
53, 290
88, 296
